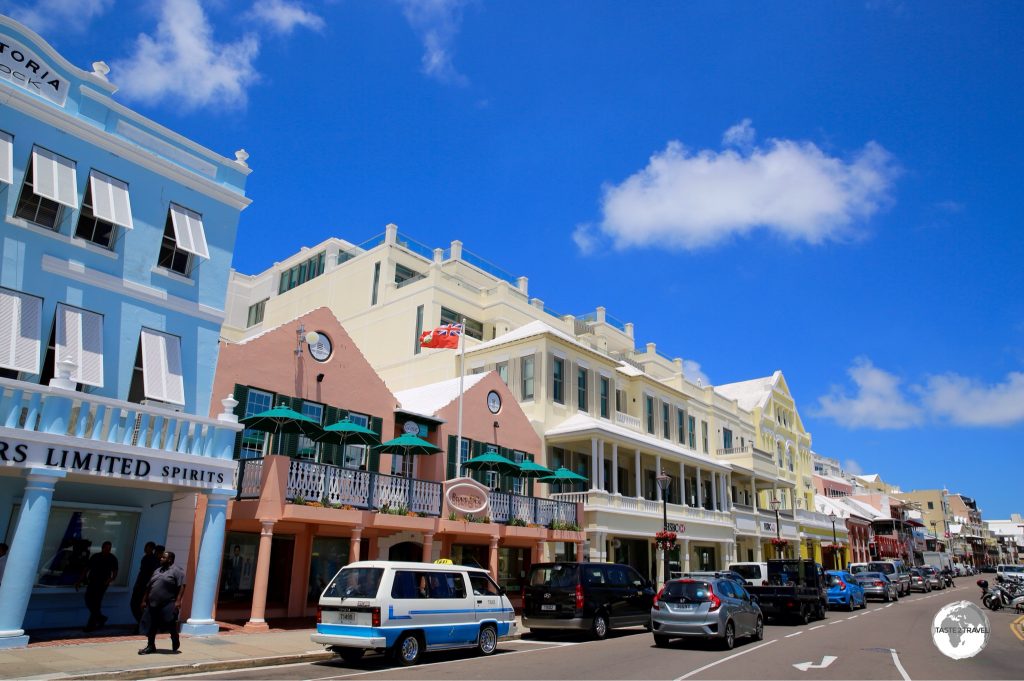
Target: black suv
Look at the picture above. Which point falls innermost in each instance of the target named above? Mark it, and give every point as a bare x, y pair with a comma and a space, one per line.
593, 597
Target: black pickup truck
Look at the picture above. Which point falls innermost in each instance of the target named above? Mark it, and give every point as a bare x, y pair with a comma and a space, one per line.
796, 589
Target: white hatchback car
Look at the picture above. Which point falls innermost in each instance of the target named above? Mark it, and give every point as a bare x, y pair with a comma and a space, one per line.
407, 608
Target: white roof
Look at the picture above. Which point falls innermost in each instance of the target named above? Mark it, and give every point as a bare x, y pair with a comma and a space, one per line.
874, 477
433, 397
628, 369
534, 328
865, 510
830, 478
582, 422
748, 394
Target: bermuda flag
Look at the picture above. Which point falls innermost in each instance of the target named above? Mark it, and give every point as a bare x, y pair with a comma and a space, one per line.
445, 336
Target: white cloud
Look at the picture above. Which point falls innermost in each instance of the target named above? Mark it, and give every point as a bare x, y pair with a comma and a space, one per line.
66, 15
741, 135
852, 467
184, 65
689, 200
878, 403
967, 402
284, 17
693, 373
436, 22
585, 238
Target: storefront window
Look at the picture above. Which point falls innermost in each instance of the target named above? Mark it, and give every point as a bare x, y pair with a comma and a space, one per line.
74, 534
330, 554
512, 565
239, 569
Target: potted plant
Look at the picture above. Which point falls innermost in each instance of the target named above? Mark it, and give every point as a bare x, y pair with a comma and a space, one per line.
666, 540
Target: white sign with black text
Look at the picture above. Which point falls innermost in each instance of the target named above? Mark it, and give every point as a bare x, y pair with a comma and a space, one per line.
23, 67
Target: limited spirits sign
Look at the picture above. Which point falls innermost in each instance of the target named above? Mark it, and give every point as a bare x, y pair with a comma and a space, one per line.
24, 68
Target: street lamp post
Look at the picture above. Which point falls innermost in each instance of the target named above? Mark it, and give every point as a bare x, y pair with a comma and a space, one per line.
935, 535
835, 542
775, 503
664, 480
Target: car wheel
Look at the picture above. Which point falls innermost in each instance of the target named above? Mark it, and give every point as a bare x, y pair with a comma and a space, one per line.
759, 630
888, 596
599, 628
661, 641
350, 655
805, 615
407, 650
850, 604
487, 642
729, 638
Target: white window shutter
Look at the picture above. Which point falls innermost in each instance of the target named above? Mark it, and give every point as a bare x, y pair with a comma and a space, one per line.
6, 158
189, 232
79, 338
162, 377
20, 331
54, 178
110, 200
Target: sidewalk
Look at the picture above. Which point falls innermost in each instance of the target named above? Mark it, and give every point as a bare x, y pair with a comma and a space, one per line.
118, 658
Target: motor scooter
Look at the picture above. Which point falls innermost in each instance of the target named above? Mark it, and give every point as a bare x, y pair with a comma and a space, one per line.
1001, 595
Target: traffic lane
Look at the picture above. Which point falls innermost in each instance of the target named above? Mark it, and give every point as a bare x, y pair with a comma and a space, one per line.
862, 642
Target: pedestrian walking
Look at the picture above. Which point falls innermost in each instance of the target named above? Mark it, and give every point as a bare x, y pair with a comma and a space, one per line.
162, 602
100, 571
150, 561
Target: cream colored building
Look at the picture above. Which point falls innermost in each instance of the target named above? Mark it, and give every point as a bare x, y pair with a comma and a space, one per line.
614, 413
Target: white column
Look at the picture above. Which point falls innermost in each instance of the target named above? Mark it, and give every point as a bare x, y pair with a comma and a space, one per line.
657, 471
753, 491
682, 483
685, 551
594, 481
636, 471
700, 491
714, 490
615, 468
600, 465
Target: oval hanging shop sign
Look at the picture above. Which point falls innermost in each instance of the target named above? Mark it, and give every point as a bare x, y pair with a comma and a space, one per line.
466, 498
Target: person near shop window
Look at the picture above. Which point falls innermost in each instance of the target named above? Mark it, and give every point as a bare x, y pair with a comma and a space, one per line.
100, 571
150, 561
162, 603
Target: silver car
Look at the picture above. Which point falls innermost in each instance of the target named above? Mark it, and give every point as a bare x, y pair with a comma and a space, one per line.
878, 585
709, 608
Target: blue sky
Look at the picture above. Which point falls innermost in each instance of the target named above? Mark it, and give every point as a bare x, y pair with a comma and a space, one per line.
830, 189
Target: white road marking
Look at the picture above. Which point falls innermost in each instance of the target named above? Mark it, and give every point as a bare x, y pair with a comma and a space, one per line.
820, 626
825, 662
890, 605
535, 642
899, 667
792, 635
724, 659
853, 617
836, 622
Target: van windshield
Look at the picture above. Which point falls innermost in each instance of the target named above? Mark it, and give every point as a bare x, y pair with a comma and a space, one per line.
857, 569
887, 568
355, 583
747, 571
555, 576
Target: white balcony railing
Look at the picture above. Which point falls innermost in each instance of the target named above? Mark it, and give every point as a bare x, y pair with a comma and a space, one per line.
599, 499
632, 422
360, 489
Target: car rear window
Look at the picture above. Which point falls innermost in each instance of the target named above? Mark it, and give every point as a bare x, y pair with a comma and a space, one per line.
833, 580
887, 568
857, 569
355, 583
553, 576
747, 571
686, 592
869, 576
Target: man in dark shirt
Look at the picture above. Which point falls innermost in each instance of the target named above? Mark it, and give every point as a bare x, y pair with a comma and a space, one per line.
99, 573
150, 561
162, 602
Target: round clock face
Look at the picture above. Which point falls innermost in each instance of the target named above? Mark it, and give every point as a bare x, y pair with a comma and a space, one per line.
494, 402
321, 350
411, 428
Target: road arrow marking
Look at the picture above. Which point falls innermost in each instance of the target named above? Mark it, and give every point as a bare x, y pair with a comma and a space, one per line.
825, 661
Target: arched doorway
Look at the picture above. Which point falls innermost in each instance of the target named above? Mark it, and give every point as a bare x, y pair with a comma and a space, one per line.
407, 550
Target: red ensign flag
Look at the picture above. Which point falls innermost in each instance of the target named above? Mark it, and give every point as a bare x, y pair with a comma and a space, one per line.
445, 336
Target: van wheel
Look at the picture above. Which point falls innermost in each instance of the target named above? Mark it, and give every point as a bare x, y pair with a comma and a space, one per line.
350, 655
729, 640
407, 650
600, 626
805, 614
487, 642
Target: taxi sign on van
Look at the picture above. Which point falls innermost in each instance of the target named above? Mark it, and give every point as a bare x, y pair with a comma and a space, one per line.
443, 561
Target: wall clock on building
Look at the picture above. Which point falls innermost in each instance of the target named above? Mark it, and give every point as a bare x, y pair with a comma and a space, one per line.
411, 428
322, 348
494, 402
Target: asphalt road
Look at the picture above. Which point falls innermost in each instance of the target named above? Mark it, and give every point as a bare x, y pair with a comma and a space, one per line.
882, 642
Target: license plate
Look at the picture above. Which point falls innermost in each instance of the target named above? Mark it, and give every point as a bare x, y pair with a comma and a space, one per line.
683, 606
337, 617
548, 608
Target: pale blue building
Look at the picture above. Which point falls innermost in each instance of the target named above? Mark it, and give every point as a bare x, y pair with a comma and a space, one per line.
116, 238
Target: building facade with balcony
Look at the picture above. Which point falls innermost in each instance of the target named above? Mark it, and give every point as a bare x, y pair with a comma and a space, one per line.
614, 413
306, 508
117, 237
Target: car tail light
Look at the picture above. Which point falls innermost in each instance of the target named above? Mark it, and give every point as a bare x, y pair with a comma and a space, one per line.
842, 585
657, 597
319, 615
375, 617
879, 583
579, 596
716, 602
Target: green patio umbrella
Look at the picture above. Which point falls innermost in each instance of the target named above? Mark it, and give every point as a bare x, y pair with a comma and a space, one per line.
492, 461
282, 419
409, 445
562, 476
346, 432
529, 469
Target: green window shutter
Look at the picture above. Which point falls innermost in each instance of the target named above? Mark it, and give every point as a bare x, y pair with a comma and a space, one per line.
505, 480
330, 453
453, 456
242, 395
529, 482
289, 441
376, 425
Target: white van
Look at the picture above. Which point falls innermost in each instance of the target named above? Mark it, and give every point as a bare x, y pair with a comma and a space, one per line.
404, 609
754, 574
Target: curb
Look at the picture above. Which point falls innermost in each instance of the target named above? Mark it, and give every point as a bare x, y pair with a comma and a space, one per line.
219, 665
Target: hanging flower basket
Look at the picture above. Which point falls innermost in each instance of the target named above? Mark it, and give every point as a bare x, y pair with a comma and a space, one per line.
666, 540
832, 547
779, 542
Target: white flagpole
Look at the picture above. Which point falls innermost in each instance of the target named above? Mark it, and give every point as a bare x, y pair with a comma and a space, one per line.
462, 378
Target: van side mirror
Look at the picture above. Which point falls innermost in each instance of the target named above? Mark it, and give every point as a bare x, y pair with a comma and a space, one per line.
502, 590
